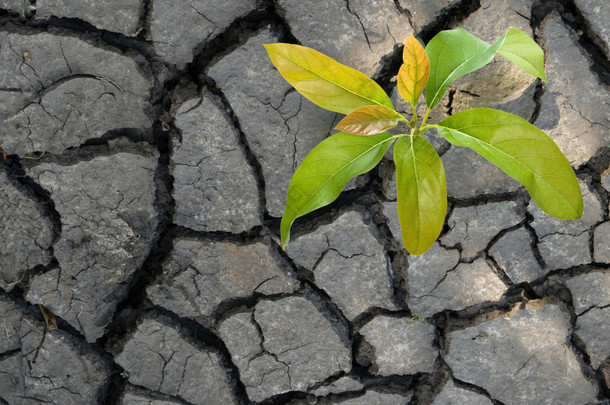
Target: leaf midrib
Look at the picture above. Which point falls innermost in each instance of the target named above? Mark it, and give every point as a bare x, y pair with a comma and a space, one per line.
416, 176
446, 79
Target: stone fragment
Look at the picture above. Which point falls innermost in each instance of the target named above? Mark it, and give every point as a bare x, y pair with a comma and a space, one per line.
348, 263
357, 33
425, 12
156, 357
562, 243
593, 328
377, 398
562, 251
521, 359
214, 187
579, 128
25, 234
469, 175
343, 384
181, 28
473, 227
596, 14
281, 126
261, 372
468, 284
590, 290
605, 177
303, 338
133, 399
424, 275
601, 243
370, 397
452, 395
16, 329
390, 210
108, 224
520, 103
199, 276
501, 80
15, 5
284, 345
59, 91
402, 346
121, 16
514, 254
46, 367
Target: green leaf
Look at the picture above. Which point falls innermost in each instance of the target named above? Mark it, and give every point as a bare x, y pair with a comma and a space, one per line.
522, 151
327, 169
452, 54
455, 53
520, 49
324, 81
368, 120
422, 193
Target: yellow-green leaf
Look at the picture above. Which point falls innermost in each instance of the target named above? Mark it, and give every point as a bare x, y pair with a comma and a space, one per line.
455, 53
368, 120
421, 193
324, 81
520, 49
327, 169
452, 54
522, 151
413, 74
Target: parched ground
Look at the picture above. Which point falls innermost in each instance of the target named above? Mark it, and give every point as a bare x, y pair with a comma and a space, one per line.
146, 150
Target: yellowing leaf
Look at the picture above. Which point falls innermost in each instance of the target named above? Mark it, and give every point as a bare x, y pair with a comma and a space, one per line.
421, 193
413, 74
324, 81
327, 169
49, 318
368, 120
524, 152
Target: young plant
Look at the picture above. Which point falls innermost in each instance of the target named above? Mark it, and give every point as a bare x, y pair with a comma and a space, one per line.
517, 147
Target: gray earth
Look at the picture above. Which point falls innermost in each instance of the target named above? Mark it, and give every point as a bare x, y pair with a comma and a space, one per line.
145, 152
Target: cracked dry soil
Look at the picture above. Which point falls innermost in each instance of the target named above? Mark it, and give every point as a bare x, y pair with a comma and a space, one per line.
146, 150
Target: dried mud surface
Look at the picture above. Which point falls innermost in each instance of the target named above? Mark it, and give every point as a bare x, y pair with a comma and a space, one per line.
145, 151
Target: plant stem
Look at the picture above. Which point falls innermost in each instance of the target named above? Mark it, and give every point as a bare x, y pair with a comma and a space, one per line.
403, 119
414, 115
427, 127
423, 122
